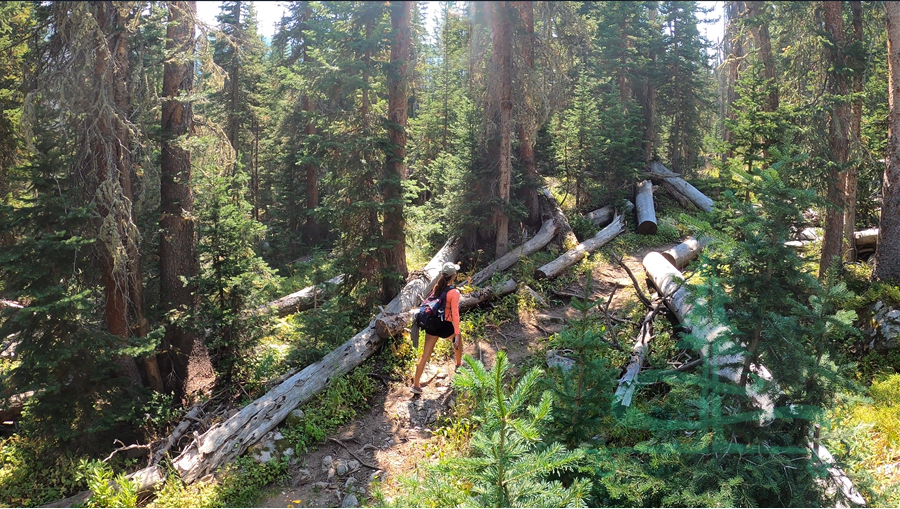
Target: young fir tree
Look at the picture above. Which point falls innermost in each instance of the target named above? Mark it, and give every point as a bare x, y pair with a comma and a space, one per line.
508, 465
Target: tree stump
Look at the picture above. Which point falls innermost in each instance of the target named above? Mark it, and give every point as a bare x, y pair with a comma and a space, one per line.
646, 213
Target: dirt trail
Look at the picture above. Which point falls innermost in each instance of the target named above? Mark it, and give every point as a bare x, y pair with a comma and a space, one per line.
393, 436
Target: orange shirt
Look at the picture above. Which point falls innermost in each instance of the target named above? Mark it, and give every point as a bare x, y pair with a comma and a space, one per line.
451, 309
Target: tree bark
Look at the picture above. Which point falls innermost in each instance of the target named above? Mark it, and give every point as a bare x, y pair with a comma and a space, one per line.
887, 255
628, 382
233, 76
734, 40
646, 213
527, 126
832, 245
603, 215
184, 359
649, 141
850, 185
760, 33
395, 174
578, 253
501, 60
540, 239
550, 208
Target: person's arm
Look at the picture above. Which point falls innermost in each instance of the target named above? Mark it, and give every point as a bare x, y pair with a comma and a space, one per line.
452, 310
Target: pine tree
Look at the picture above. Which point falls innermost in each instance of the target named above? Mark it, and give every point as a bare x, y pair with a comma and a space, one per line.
887, 257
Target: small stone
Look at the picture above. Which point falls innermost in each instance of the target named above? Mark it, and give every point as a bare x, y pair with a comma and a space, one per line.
351, 482
350, 501
353, 465
322, 485
289, 452
327, 462
377, 475
341, 467
331, 472
441, 375
303, 475
295, 418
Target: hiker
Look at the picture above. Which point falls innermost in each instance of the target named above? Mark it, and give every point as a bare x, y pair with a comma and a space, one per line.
448, 327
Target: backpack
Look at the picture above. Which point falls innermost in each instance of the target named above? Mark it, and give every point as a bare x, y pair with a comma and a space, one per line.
431, 313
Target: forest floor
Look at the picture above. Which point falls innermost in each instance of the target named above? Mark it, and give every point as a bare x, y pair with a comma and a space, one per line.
393, 437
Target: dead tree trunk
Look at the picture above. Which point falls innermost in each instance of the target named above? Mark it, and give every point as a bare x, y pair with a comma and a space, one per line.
628, 382
646, 213
576, 254
887, 257
670, 178
682, 254
540, 239
304, 299
667, 280
603, 215
550, 207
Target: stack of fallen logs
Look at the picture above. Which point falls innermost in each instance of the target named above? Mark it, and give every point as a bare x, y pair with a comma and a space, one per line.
663, 271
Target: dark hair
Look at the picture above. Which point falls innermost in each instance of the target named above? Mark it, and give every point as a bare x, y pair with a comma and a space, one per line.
442, 283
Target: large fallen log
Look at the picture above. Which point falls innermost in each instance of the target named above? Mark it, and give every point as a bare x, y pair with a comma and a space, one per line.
540, 239
657, 171
646, 213
682, 254
668, 281
227, 440
866, 238
551, 209
604, 215
576, 254
390, 325
302, 300
10, 304
841, 481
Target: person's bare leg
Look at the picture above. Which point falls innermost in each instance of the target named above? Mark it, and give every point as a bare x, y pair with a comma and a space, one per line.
458, 351
427, 348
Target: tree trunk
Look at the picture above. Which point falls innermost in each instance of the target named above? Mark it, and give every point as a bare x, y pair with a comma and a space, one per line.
682, 254
540, 239
649, 141
501, 60
233, 74
646, 213
580, 251
855, 123
602, 216
628, 383
118, 246
313, 236
887, 255
394, 223
668, 282
735, 58
550, 208
307, 298
760, 33
839, 141
527, 127
185, 361
679, 186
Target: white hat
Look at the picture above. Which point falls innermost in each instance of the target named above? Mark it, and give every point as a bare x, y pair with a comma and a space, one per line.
449, 269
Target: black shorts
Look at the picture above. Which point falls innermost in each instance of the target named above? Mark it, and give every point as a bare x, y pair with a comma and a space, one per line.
444, 330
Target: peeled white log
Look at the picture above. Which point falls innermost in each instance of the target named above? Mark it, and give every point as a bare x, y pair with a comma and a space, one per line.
603, 215
540, 239
668, 281
303, 299
389, 325
10, 304
682, 200
682, 254
866, 238
799, 245
646, 213
225, 441
837, 475
576, 254
657, 171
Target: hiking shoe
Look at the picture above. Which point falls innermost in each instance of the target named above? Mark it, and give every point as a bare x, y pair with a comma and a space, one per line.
416, 390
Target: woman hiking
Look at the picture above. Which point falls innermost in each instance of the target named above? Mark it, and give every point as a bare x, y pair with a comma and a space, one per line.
447, 328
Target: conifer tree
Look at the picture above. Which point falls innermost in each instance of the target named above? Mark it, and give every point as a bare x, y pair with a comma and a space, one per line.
887, 257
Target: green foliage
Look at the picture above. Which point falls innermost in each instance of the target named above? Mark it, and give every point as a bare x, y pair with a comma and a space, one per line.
243, 483
107, 488
508, 465
332, 408
32, 474
581, 394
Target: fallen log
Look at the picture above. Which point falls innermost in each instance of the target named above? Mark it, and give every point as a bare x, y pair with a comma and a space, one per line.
843, 483
682, 200
628, 382
656, 170
227, 440
646, 213
604, 215
13, 409
682, 254
390, 325
552, 209
866, 238
10, 304
302, 300
540, 239
667, 280
576, 254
